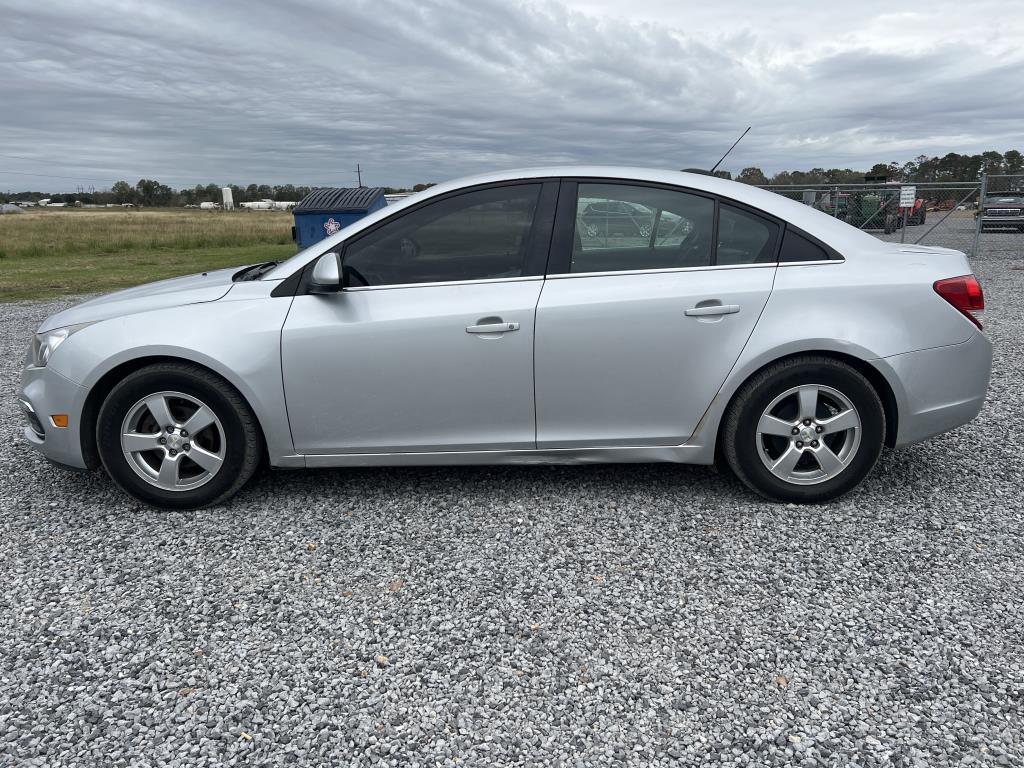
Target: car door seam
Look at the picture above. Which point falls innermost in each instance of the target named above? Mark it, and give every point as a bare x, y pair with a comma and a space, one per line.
533, 358
284, 388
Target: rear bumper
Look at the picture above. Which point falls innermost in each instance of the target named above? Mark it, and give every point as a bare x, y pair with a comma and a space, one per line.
44, 393
942, 388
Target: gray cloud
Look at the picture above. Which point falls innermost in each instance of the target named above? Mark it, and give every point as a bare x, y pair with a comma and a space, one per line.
432, 89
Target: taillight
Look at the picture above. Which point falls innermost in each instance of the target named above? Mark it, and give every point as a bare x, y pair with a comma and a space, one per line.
964, 293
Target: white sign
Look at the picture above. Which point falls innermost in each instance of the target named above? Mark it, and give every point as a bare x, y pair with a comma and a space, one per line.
907, 197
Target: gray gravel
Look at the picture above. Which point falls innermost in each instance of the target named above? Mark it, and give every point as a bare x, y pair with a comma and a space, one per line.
648, 615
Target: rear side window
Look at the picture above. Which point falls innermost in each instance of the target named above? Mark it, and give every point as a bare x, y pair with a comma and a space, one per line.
796, 247
745, 238
620, 227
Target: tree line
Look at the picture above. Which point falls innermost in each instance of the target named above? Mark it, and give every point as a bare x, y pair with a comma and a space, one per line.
151, 193
922, 169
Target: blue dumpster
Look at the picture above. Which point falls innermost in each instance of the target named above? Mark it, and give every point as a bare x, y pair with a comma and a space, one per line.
324, 211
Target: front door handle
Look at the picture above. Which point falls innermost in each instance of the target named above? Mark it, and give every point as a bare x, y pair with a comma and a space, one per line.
492, 328
713, 309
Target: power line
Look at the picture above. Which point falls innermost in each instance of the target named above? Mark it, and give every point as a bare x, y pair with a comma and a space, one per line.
52, 176
35, 159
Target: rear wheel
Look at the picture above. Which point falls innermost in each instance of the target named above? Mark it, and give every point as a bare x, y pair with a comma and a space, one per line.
805, 430
177, 436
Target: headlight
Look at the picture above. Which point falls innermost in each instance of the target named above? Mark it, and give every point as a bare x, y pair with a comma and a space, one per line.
45, 344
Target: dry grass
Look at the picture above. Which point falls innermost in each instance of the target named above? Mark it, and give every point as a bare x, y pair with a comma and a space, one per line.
51, 253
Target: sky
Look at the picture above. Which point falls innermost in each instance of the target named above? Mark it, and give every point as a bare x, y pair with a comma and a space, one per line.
427, 90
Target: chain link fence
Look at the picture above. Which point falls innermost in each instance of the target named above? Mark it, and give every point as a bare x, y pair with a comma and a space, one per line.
983, 217
941, 214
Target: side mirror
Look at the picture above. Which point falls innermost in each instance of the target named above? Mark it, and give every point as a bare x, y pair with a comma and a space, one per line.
326, 277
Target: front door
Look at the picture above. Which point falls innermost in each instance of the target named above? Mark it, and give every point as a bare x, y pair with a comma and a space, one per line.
639, 330
430, 345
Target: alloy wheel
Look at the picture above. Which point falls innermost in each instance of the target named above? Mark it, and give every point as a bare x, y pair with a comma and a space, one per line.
173, 441
808, 434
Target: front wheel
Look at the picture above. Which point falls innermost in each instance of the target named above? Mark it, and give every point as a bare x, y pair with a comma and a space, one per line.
804, 430
177, 436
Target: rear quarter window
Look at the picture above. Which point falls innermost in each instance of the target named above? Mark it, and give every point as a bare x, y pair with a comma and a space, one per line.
796, 247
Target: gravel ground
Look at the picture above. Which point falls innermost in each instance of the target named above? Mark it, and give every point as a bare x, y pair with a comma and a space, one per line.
649, 615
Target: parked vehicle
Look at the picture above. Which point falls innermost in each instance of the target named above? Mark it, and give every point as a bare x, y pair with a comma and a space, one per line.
474, 323
613, 217
1004, 210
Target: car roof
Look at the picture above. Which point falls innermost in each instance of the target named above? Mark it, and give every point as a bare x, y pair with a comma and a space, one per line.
837, 234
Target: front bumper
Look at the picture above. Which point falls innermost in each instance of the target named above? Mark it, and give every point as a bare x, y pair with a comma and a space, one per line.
43, 394
1002, 221
940, 389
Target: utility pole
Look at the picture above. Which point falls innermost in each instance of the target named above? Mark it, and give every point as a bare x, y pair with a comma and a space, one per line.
359, 174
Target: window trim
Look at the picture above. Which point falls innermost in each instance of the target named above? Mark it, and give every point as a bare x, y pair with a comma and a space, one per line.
538, 238
667, 270
480, 281
560, 253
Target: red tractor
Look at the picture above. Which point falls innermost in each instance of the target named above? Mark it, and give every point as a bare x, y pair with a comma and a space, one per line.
889, 200
916, 214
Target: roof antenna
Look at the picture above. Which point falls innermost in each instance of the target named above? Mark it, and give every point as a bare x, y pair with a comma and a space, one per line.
712, 171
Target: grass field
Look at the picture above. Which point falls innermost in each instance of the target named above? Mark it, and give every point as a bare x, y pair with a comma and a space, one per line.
44, 254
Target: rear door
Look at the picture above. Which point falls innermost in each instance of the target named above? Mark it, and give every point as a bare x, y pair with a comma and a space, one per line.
637, 330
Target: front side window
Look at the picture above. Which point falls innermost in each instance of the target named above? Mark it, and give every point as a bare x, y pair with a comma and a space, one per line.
622, 227
478, 235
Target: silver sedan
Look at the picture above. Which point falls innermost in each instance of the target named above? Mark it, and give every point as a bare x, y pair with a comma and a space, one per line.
500, 319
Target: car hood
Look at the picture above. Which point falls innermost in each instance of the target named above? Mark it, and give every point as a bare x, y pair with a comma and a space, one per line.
178, 291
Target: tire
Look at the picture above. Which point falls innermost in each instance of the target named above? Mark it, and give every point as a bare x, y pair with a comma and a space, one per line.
209, 466
840, 387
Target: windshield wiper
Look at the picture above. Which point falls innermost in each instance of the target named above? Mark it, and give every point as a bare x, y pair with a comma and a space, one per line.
255, 272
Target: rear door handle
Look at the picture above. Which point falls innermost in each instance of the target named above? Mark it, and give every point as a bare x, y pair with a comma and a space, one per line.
492, 328
713, 309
